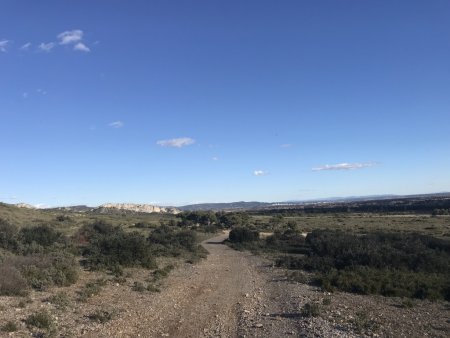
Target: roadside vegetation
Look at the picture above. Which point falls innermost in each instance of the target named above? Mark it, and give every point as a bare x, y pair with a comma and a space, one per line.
379, 260
47, 251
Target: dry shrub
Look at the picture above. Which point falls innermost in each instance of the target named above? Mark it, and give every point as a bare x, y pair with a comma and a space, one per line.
11, 281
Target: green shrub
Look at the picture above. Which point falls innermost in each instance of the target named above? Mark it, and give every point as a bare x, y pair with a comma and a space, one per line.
8, 233
153, 288
239, 235
60, 300
362, 323
162, 273
310, 310
386, 282
142, 225
197, 255
43, 271
117, 270
91, 289
42, 235
63, 218
41, 319
111, 246
102, 316
10, 327
139, 287
326, 301
402, 265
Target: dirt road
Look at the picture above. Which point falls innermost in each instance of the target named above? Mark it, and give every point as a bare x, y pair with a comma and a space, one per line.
229, 294
237, 294
226, 295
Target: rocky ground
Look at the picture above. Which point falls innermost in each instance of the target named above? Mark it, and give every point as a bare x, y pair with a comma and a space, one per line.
230, 294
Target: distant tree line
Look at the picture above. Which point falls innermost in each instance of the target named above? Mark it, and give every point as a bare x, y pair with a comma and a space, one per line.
425, 206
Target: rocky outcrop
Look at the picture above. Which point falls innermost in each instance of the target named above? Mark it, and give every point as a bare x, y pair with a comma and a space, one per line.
24, 205
145, 208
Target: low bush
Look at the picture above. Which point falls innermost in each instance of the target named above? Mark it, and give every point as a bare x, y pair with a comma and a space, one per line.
12, 283
239, 235
139, 287
401, 265
387, 282
101, 316
363, 324
91, 289
110, 246
8, 233
107, 247
142, 225
162, 273
43, 271
310, 310
41, 319
60, 300
63, 218
167, 241
152, 288
326, 301
42, 235
10, 327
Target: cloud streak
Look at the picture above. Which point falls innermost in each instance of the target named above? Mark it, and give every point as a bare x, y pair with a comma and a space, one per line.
260, 173
176, 142
26, 46
3, 45
46, 47
116, 124
345, 166
81, 47
69, 37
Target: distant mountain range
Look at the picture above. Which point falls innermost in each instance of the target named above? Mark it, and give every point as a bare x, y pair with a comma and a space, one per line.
232, 206
224, 206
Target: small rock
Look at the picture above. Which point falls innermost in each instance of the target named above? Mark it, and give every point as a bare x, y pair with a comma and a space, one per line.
259, 325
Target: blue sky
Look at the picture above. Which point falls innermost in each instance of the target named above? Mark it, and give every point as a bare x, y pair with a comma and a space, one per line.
177, 102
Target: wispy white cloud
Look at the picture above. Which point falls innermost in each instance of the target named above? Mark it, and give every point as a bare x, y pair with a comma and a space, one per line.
69, 37
25, 95
3, 45
215, 158
41, 91
286, 145
26, 46
345, 166
81, 47
176, 142
46, 47
260, 173
116, 124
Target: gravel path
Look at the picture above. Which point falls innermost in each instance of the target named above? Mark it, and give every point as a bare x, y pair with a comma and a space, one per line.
226, 295
237, 294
